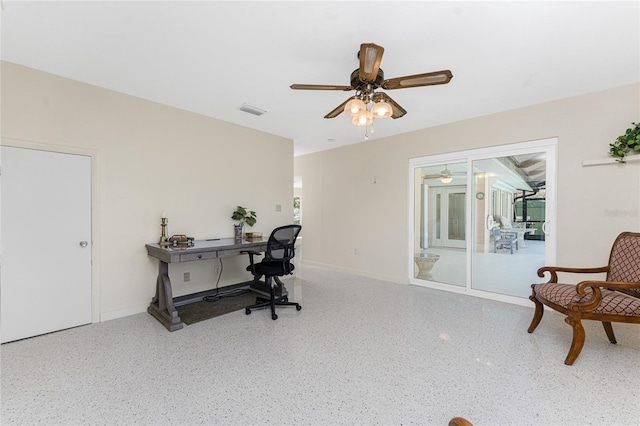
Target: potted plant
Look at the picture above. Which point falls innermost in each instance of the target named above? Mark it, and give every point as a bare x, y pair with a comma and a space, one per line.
243, 216
625, 143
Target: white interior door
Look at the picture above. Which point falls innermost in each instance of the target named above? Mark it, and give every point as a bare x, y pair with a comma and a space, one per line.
449, 216
46, 242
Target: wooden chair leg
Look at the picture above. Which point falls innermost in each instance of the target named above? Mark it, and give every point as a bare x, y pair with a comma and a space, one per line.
578, 340
609, 330
537, 315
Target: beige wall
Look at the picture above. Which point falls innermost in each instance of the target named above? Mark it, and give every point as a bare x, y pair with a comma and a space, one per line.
355, 198
150, 158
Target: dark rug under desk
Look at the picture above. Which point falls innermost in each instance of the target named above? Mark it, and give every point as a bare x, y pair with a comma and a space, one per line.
199, 311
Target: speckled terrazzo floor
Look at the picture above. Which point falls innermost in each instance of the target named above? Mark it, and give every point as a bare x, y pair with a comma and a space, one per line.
361, 352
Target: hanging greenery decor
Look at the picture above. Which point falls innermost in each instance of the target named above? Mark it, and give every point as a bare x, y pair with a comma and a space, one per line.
626, 143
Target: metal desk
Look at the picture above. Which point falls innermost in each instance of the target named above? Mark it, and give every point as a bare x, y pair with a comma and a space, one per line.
162, 305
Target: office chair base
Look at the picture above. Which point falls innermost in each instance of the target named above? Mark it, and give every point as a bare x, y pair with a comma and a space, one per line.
262, 288
263, 303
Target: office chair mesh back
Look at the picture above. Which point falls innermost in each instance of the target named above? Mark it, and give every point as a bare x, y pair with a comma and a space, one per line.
276, 263
281, 245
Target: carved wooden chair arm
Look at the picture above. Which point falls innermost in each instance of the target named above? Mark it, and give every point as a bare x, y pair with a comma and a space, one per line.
613, 285
596, 298
553, 270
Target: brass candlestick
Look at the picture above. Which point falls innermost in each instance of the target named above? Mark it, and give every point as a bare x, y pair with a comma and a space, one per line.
163, 237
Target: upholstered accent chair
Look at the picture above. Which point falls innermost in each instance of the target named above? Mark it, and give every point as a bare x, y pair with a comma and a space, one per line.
616, 299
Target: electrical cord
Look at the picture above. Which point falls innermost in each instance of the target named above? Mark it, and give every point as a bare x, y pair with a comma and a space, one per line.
217, 296
220, 274
214, 297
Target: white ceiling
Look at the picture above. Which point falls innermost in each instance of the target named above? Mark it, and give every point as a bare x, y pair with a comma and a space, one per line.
212, 57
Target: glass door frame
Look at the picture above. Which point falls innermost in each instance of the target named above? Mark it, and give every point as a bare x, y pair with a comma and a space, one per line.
548, 146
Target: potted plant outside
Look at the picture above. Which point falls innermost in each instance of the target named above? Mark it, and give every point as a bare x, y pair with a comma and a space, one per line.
626, 143
242, 215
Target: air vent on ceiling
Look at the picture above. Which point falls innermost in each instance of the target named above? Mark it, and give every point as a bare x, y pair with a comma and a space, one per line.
251, 109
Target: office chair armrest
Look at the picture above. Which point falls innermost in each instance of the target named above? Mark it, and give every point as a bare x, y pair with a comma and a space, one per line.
251, 253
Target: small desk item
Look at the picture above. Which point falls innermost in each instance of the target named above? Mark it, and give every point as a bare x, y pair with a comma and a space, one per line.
162, 305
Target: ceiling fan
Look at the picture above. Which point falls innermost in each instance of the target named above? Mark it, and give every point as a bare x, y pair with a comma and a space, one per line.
369, 77
445, 176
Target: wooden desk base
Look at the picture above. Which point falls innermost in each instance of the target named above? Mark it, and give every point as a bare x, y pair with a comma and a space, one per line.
163, 305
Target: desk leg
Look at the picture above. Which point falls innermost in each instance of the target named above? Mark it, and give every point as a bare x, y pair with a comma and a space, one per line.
161, 306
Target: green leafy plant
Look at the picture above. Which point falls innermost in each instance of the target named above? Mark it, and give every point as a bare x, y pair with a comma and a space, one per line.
625, 143
243, 216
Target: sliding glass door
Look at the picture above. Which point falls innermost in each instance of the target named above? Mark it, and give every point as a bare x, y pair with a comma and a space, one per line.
510, 246
442, 223
481, 219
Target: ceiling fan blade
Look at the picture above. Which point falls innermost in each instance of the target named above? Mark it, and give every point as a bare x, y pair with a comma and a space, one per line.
370, 58
320, 87
398, 111
440, 177
338, 110
417, 80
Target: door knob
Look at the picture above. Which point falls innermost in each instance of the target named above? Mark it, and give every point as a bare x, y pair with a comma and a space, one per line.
83, 243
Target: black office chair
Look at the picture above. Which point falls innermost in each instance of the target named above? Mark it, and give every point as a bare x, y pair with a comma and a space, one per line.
276, 263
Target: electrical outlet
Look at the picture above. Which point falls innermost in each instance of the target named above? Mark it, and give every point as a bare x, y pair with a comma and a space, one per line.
187, 277
216, 270
278, 207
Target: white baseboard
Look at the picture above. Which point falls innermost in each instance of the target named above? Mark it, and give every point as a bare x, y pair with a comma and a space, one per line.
359, 272
119, 313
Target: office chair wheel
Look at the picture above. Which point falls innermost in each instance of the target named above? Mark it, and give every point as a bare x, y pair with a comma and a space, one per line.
298, 307
285, 298
274, 317
247, 311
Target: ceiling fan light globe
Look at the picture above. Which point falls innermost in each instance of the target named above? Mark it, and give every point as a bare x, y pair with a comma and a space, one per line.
354, 107
446, 179
369, 117
381, 110
363, 119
